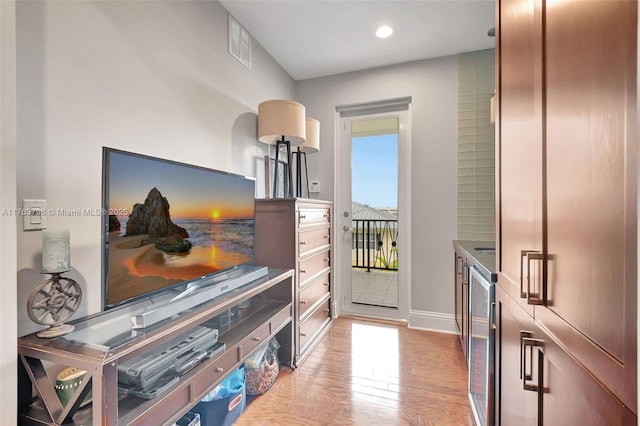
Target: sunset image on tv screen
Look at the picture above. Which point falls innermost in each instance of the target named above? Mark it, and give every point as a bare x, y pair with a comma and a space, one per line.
170, 223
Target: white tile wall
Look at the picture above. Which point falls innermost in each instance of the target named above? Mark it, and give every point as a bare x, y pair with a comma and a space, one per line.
476, 153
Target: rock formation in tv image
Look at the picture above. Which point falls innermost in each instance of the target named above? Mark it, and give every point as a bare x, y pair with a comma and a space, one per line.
152, 218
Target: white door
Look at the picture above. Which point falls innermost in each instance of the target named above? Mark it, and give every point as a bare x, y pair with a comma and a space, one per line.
348, 290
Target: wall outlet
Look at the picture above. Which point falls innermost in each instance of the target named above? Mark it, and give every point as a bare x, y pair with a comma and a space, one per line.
314, 186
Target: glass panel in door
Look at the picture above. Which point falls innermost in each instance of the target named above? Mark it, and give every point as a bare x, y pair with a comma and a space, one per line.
374, 230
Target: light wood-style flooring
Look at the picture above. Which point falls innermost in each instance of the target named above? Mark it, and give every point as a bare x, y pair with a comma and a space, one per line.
370, 373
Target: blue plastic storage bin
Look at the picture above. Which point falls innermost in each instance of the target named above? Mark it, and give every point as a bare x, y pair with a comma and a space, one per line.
228, 403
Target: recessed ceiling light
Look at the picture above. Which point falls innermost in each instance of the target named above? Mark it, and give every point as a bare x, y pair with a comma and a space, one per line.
384, 31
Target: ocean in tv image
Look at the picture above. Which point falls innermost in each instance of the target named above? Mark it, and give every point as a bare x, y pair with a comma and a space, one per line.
172, 223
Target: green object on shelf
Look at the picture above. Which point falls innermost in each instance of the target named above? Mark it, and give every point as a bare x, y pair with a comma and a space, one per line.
67, 382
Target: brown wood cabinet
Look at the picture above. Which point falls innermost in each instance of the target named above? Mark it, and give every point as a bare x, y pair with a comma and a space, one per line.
591, 143
514, 405
296, 233
519, 125
541, 383
567, 146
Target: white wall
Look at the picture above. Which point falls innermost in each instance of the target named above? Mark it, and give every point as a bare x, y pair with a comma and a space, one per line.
8, 307
432, 84
152, 77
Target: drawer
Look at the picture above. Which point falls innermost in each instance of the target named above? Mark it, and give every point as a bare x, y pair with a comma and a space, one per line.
313, 216
311, 294
311, 240
312, 266
311, 326
254, 340
280, 319
215, 371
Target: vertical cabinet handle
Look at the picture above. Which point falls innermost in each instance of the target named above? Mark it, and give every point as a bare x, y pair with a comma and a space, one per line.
539, 297
533, 298
523, 334
465, 277
492, 316
524, 255
527, 345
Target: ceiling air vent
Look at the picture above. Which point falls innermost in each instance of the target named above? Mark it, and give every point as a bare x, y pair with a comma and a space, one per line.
239, 42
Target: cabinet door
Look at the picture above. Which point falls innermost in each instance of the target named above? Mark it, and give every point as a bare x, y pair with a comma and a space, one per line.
590, 403
514, 405
591, 187
555, 389
519, 96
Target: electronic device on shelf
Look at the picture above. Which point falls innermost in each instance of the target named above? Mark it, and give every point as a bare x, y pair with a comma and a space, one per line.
193, 296
170, 225
150, 373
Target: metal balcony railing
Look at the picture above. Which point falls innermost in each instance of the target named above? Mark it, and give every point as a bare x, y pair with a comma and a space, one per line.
374, 244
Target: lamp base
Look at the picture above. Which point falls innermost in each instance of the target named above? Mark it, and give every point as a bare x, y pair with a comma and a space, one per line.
52, 303
299, 155
288, 187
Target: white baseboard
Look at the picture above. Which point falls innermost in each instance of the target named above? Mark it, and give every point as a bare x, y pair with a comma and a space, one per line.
432, 321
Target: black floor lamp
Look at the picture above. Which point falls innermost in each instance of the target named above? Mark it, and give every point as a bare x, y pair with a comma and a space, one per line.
310, 145
281, 123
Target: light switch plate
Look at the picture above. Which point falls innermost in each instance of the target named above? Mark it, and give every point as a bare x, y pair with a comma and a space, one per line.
34, 215
314, 186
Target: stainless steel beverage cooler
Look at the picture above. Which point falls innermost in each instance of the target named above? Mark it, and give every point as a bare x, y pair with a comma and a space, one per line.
481, 348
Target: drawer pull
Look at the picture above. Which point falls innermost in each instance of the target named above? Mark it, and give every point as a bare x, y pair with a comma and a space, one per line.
326, 215
303, 216
302, 271
326, 237
326, 259
327, 310
219, 370
304, 302
303, 334
326, 284
257, 339
303, 243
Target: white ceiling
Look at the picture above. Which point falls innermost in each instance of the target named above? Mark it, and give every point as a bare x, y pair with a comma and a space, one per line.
314, 38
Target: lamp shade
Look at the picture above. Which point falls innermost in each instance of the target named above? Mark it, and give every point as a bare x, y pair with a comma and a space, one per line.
278, 118
312, 142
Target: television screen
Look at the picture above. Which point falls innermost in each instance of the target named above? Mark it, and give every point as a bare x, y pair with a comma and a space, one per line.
169, 223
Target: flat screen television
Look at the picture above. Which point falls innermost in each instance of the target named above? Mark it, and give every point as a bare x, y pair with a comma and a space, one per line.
168, 223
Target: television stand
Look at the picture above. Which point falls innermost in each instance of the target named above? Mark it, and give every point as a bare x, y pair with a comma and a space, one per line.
206, 290
265, 310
